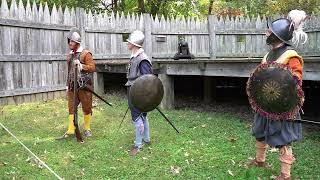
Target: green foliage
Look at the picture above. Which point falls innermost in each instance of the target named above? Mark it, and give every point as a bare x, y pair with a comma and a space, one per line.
264, 7
284, 6
193, 8
86, 4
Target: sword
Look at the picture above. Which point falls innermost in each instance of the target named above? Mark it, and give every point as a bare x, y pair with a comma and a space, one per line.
167, 119
125, 114
97, 95
307, 121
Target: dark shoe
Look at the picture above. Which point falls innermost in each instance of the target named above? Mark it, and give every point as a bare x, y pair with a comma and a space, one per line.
281, 177
65, 136
146, 143
134, 151
87, 133
255, 163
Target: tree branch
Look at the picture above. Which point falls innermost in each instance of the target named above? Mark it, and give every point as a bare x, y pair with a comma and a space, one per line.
107, 5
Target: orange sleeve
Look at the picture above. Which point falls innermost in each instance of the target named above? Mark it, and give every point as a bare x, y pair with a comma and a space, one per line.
89, 65
296, 66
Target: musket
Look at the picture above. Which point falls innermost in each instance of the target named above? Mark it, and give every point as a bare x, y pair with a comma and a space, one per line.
75, 103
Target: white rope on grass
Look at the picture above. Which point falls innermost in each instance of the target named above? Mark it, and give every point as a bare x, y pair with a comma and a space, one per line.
44, 164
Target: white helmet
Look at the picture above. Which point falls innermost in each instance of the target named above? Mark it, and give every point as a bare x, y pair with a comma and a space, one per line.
74, 35
136, 38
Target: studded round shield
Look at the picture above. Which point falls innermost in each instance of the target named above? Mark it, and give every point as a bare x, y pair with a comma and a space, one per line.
274, 92
146, 93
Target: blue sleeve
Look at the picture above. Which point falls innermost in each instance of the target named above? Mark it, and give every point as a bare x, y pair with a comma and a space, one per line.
145, 67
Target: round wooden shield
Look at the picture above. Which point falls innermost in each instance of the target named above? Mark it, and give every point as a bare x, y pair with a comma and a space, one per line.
146, 93
274, 92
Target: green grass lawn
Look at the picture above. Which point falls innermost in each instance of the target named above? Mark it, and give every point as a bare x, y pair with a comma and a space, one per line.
210, 146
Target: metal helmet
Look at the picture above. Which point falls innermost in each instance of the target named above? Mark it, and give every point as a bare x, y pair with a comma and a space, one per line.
146, 93
74, 35
136, 38
274, 92
283, 29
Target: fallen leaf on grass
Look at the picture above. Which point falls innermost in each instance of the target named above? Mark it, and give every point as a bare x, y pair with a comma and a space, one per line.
232, 139
71, 156
230, 173
273, 150
175, 169
245, 166
82, 172
204, 125
248, 125
5, 143
94, 103
34, 162
273, 177
3, 164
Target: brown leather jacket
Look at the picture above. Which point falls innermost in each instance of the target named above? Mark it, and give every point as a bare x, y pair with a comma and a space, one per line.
87, 62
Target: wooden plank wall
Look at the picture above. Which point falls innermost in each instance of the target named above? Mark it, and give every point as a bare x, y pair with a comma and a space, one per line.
32, 51
33, 42
240, 37
106, 34
312, 46
228, 37
193, 31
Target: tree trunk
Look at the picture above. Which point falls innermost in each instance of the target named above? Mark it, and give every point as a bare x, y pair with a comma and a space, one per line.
141, 6
116, 4
210, 7
123, 5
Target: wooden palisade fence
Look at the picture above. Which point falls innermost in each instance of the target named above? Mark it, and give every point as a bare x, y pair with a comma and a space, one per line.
33, 44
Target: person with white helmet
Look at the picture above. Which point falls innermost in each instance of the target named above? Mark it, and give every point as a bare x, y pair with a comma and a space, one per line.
139, 65
83, 58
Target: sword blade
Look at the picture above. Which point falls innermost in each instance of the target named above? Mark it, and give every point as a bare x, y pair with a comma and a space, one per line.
125, 114
97, 95
167, 120
307, 121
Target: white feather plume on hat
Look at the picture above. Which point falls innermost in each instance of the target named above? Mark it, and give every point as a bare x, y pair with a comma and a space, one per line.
298, 17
